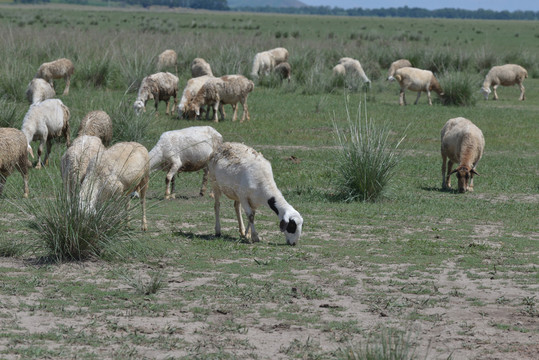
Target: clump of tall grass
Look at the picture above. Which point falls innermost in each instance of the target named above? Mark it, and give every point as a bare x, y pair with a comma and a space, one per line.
459, 89
366, 158
9, 115
127, 125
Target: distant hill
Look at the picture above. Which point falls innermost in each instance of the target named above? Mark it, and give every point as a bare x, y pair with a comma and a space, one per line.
261, 3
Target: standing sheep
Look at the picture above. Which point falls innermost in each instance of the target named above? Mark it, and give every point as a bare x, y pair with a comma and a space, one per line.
97, 123
263, 64
39, 90
228, 89
189, 92
76, 159
395, 65
199, 67
14, 150
283, 70
159, 86
167, 59
417, 80
505, 75
350, 67
188, 150
57, 69
245, 176
120, 170
462, 143
45, 121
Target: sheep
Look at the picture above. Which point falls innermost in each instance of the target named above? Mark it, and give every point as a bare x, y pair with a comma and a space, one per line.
188, 150
14, 150
158, 86
199, 67
263, 64
76, 159
166, 59
417, 80
280, 55
190, 90
283, 70
395, 65
245, 176
97, 123
463, 144
57, 69
228, 89
44, 121
120, 170
351, 67
505, 75
39, 90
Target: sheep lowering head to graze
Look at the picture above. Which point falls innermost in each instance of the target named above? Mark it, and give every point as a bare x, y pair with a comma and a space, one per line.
187, 150
350, 67
120, 170
505, 75
167, 59
417, 80
228, 89
245, 176
76, 159
159, 86
199, 67
97, 123
57, 69
14, 150
39, 90
395, 65
189, 92
463, 144
283, 70
45, 121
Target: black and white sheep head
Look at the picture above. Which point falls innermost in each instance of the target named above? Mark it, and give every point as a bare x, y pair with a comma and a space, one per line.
464, 177
291, 225
486, 92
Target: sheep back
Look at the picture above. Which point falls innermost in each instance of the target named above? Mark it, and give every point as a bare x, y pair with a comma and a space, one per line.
55, 69
167, 58
75, 161
395, 65
462, 141
199, 67
49, 117
97, 123
38, 90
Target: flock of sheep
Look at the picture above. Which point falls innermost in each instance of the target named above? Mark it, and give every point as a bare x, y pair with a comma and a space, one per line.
98, 171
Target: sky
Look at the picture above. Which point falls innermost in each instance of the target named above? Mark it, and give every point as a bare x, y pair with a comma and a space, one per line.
497, 5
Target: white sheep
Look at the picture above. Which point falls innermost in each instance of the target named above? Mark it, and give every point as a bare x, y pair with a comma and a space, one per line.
280, 55
284, 70
97, 123
45, 121
39, 90
76, 159
351, 67
245, 176
189, 92
417, 80
166, 59
200, 67
187, 150
263, 64
120, 170
57, 69
463, 144
505, 75
339, 70
14, 150
159, 86
395, 65
228, 89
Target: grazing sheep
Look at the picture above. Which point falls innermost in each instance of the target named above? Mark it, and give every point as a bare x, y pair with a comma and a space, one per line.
395, 65
120, 170
45, 121
77, 158
190, 90
283, 70
97, 123
228, 89
263, 64
188, 150
505, 75
280, 55
350, 67
57, 69
417, 80
39, 90
159, 86
166, 59
245, 176
14, 150
463, 144
199, 67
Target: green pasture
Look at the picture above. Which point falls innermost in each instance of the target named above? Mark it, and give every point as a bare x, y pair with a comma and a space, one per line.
402, 241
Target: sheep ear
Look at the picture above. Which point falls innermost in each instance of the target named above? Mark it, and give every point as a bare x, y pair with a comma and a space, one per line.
283, 225
30, 151
454, 171
475, 172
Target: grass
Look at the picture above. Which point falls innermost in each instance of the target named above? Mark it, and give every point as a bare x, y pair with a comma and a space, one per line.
176, 291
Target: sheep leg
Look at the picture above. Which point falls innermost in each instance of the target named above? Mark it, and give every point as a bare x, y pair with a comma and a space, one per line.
25, 180
68, 81
448, 176
237, 208
222, 112
522, 89
402, 98
216, 207
170, 181
251, 226
419, 95
49, 148
444, 181
215, 110
494, 91
39, 152
245, 111
204, 181
142, 191
166, 111
235, 114
157, 105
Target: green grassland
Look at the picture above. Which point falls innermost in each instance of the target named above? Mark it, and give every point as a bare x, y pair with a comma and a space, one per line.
403, 262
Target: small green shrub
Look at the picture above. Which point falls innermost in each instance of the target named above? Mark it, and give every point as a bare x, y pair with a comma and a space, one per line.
9, 115
459, 89
388, 345
127, 125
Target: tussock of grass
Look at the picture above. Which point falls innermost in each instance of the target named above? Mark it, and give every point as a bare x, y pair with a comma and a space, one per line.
459, 89
389, 344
